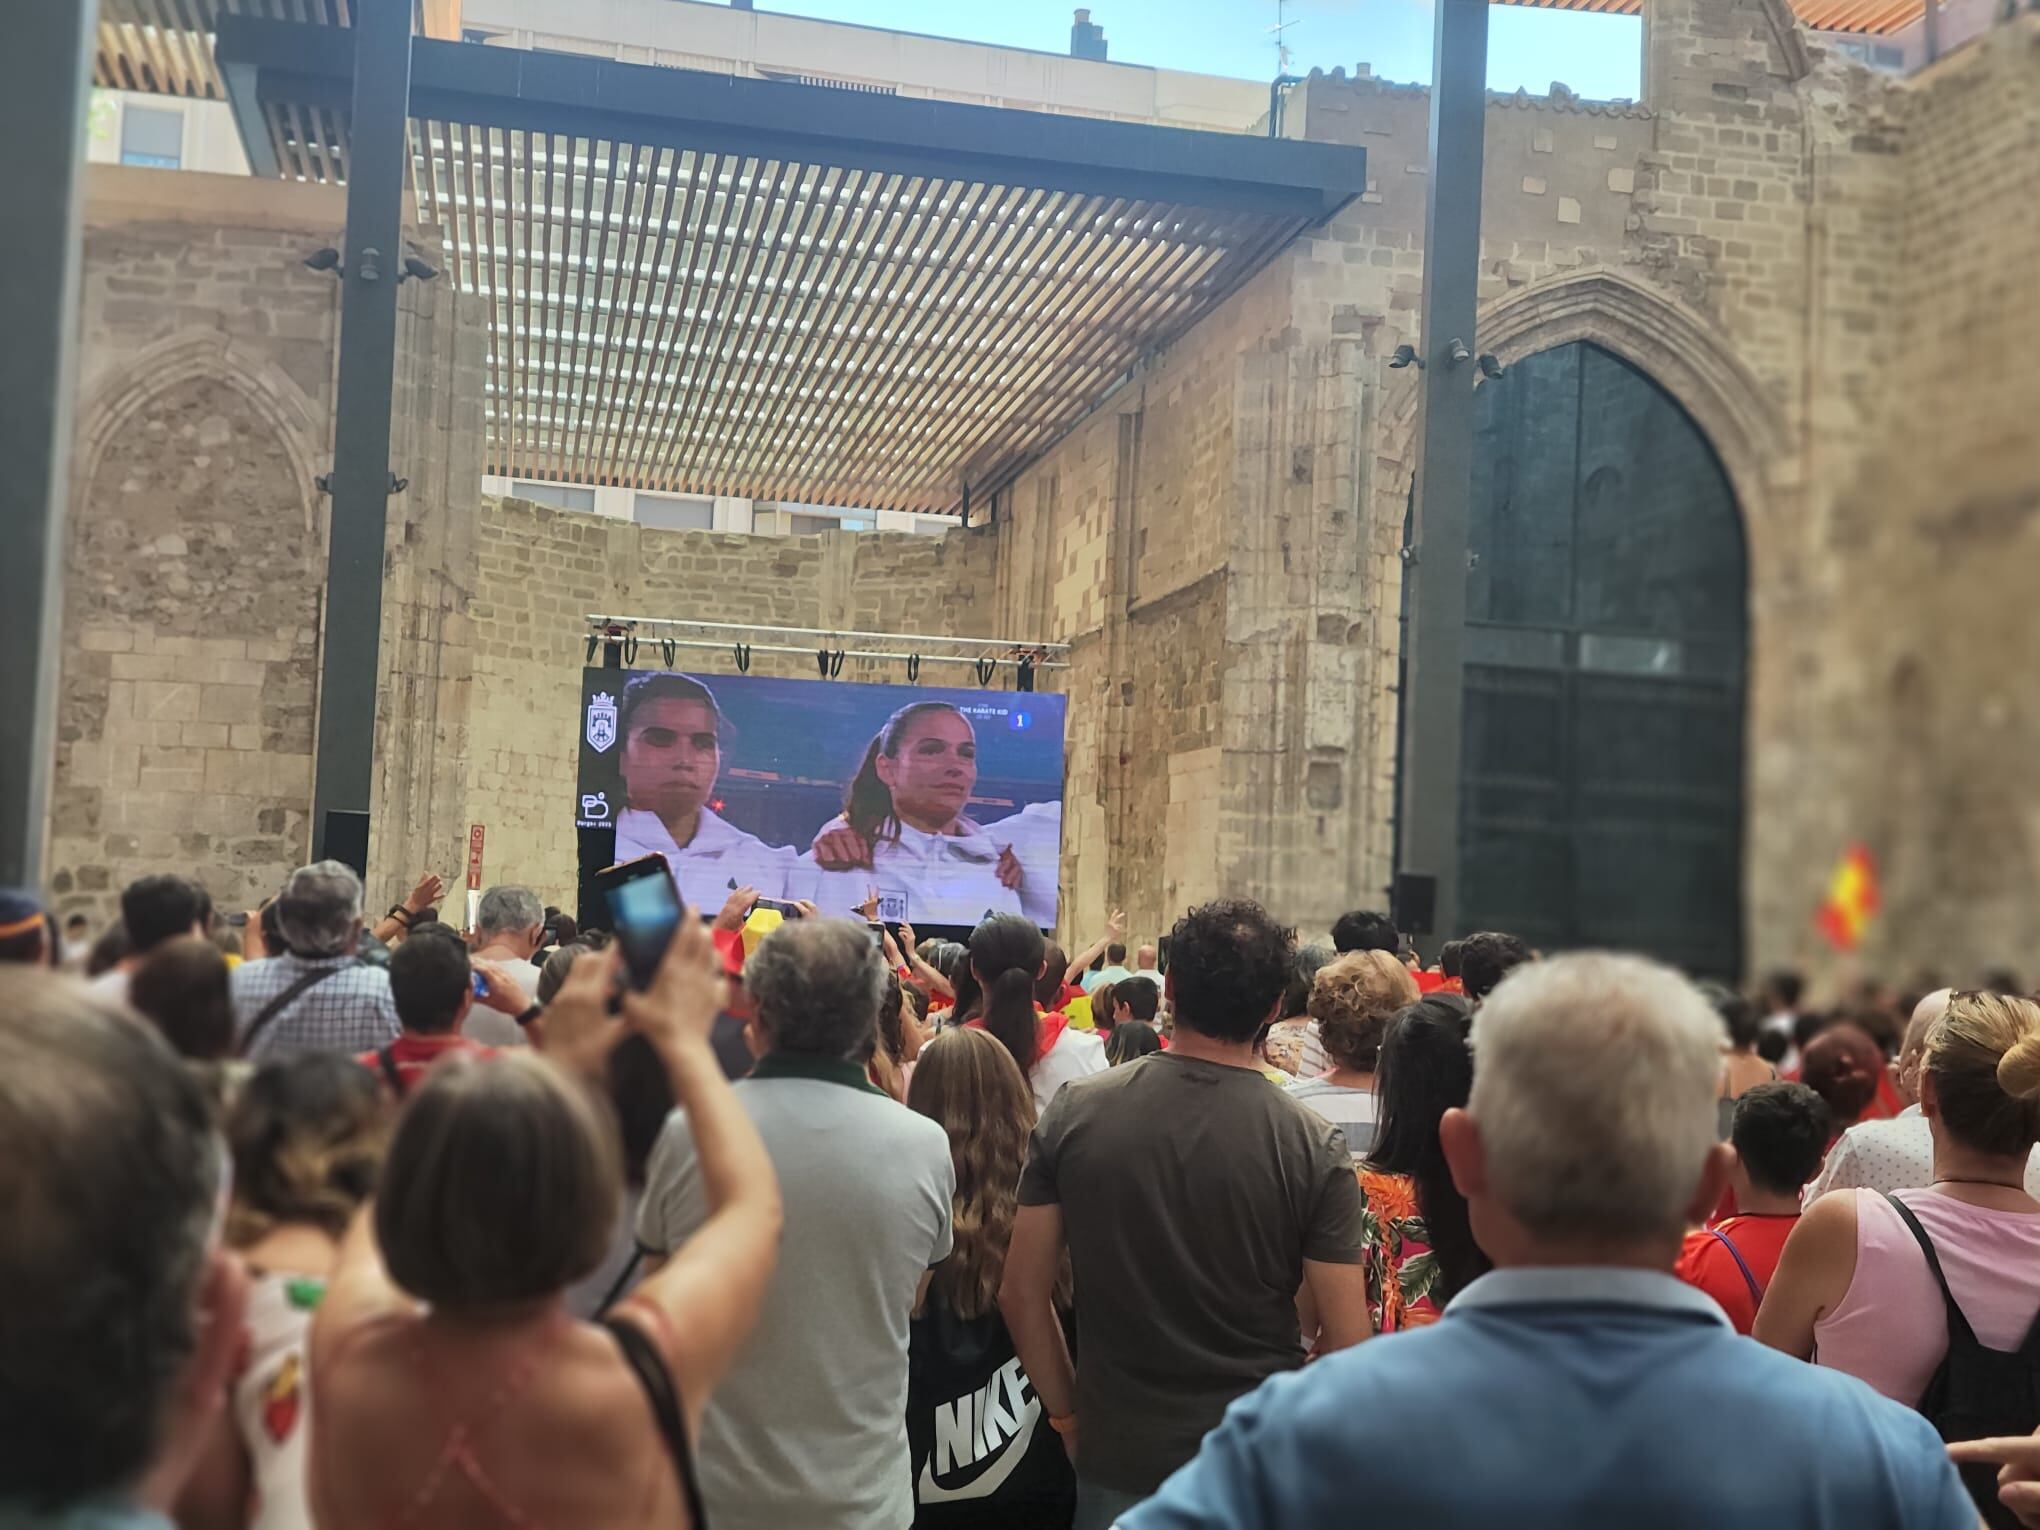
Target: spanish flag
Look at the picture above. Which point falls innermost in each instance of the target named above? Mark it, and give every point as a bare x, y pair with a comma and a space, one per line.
1852, 900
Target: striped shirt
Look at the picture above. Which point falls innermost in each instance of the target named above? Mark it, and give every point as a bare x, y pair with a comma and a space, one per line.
351, 1011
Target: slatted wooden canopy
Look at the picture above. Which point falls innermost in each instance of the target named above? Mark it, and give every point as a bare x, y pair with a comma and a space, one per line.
705, 284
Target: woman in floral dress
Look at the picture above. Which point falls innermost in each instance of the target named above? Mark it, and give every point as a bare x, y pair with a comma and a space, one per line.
1419, 1248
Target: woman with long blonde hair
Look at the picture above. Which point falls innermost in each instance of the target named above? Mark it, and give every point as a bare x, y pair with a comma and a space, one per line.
984, 1454
1896, 1289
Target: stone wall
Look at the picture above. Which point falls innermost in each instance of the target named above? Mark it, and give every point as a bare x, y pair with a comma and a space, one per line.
195, 548
1826, 268
1776, 236
539, 573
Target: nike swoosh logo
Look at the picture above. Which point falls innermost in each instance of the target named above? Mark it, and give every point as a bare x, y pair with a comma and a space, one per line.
989, 1481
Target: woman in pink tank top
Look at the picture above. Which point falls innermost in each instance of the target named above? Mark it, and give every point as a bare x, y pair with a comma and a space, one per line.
1853, 1290
452, 1389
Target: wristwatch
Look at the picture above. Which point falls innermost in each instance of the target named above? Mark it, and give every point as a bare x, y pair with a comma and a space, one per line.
402, 915
530, 1013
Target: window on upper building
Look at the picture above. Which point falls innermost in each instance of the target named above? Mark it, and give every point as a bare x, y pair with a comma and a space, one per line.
674, 512
152, 136
561, 496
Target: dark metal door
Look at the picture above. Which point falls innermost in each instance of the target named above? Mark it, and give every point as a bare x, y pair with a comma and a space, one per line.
1601, 793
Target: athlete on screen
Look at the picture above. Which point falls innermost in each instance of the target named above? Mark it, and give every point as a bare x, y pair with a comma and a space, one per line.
903, 818
672, 751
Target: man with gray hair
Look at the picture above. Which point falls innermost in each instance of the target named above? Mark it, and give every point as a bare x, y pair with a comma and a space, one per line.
1578, 1383
809, 1427
122, 1322
316, 995
509, 928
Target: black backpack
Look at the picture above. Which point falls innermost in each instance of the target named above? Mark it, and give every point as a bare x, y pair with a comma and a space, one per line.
1976, 1391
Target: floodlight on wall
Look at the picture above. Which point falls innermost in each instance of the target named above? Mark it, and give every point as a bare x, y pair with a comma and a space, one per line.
417, 269
1406, 356
327, 259
1490, 368
1457, 353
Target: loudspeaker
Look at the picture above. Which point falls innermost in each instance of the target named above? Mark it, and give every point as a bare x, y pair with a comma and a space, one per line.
596, 850
346, 840
1413, 903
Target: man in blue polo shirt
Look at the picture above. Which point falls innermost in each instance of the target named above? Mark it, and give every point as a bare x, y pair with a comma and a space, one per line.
1580, 1383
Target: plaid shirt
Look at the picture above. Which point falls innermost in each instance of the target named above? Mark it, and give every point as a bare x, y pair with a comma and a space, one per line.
351, 1011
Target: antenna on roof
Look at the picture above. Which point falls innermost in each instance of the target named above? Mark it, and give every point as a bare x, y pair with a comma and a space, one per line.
1279, 33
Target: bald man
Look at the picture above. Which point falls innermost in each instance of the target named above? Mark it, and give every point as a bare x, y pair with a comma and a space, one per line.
1897, 1154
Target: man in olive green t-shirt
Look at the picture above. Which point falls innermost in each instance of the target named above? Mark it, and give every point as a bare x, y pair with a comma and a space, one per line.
1197, 1202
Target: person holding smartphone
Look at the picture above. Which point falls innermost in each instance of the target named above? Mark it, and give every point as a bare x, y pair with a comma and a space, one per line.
444, 1340
672, 731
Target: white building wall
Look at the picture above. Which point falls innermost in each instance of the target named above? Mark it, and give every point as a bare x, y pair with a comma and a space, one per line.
688, 34
209, 141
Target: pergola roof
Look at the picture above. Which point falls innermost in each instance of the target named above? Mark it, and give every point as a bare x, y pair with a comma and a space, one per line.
700, 283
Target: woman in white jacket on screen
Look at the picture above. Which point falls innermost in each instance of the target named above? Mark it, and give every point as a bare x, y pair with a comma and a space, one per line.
904, 814
671, 730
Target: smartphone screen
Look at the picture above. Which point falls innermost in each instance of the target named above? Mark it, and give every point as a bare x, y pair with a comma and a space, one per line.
644, 910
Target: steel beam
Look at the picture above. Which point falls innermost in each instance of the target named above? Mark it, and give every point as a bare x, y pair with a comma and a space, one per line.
45, 90
773, 119
1434, 666
373, 259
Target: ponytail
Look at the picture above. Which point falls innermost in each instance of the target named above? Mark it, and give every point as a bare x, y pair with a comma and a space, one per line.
1006, 954
868, 804
1009, 1015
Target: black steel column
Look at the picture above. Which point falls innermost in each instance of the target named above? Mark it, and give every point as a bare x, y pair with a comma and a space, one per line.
373, 258
1434, 677
45, 87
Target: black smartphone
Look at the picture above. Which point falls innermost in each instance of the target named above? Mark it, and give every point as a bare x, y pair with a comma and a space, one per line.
644, 910
784, 910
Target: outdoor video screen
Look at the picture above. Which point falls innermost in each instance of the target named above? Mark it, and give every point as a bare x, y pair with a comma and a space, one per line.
947, 803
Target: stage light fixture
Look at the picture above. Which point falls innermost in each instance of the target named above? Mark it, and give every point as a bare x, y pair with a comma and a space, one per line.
1490, 368
1405, 356
327, 259
1457, 352
417, 270
666, 651
594, 642
913, 668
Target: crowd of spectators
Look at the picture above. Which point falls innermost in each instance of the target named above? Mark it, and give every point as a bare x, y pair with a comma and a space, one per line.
315, 1219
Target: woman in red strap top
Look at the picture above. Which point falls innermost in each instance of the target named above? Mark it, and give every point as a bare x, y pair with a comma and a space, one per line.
451, 1388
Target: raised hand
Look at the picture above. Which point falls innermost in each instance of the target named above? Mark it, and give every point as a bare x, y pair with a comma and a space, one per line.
503, 989
686, 993
1010, 874
430, 888
577, 1031
737, 908
842, 849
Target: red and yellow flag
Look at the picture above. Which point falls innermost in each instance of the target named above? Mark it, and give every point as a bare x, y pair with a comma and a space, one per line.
1852, 900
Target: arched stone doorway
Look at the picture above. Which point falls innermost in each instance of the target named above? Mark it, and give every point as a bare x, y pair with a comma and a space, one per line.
1601, 794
